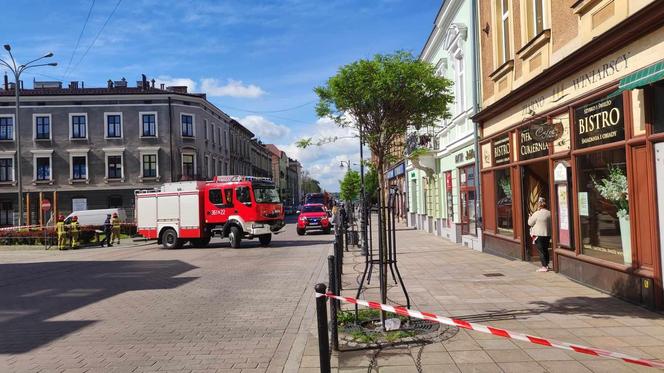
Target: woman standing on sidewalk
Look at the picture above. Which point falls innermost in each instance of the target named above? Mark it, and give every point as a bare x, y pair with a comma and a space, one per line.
540, 223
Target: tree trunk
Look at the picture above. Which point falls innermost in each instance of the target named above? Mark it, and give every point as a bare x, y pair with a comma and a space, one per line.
382, 235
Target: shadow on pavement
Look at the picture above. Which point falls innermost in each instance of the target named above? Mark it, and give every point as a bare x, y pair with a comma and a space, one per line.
47, 290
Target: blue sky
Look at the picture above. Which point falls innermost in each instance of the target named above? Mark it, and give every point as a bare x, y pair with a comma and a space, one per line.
257, 60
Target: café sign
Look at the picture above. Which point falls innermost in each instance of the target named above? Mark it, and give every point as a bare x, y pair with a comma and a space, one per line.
545, 132
501, 150
600, 122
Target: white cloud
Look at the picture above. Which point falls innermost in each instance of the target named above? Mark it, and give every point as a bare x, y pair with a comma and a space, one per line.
170, 81
267, 131
323, 162
234, 88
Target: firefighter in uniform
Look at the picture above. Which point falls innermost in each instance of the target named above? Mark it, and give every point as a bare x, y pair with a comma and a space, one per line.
61, 231
115, 222
74, 229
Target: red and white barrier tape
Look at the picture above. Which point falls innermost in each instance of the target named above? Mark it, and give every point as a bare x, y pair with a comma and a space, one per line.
403, 311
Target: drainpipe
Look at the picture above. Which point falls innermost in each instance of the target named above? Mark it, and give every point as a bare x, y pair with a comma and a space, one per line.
476, 109
170, 136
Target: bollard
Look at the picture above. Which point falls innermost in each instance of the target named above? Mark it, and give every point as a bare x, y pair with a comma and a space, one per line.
335, 304
323, 340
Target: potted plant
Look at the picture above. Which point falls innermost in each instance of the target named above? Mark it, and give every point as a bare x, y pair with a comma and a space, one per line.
613, 188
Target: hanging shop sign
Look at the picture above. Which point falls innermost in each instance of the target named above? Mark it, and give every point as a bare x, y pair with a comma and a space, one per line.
601, 122
544, 132
529, 147
448, 180
501, 150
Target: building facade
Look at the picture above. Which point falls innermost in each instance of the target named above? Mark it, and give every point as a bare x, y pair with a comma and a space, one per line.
90, 148
240, 149
294, 181
442, 186
572, 113
261, 162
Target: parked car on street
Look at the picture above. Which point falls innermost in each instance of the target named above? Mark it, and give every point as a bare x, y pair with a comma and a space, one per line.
313, 217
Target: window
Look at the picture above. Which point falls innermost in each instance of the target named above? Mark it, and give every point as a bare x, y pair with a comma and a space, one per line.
113, 125
114, 164
148, 124
459, 82
467, 199
266, 194
243, 194
114, 202
188, 165
215, 196
42, 127
535, 17
78, 126
6, 213
504, 202
602, 201
43, 168
503, 31
79, 167
206, 130
228, 196
149, 165
6, 169
206, 165
7, 128
187, 125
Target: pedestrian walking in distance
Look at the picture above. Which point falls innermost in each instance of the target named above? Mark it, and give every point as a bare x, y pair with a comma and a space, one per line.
115, 223
107, 228
540, 223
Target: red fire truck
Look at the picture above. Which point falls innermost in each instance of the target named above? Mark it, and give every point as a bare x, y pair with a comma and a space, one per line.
236, 207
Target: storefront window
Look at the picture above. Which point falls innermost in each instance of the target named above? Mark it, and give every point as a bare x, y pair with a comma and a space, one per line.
603, 209
449, 196
503, 187
657, 99
467, 199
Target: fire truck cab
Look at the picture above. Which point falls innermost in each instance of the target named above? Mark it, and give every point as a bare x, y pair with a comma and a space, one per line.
237, 207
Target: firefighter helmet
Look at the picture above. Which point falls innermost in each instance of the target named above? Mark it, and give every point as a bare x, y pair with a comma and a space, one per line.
74, 218
61, 218
115, 214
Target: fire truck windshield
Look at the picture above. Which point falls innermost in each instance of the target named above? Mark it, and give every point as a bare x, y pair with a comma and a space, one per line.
266, 194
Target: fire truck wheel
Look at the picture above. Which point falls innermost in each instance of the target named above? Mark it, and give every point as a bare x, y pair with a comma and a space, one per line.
170, 240
200, 242
235, 237
300, 232
265, 239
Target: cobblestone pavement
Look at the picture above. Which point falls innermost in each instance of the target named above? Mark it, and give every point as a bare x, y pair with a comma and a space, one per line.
452, 280
144, 309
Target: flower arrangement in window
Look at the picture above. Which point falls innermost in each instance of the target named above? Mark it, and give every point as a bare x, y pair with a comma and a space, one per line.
506, 186
613, 188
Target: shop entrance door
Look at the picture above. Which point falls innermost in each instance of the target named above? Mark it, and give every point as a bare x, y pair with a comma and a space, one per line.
659, 174
534, 184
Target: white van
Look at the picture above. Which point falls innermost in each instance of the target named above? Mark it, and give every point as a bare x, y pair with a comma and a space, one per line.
96, 217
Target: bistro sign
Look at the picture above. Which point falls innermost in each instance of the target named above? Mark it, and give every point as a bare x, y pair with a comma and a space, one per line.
600, 122
501, 150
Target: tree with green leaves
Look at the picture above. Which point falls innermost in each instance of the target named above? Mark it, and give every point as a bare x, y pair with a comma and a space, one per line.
310, 185
371, 184
381, 98
350, 186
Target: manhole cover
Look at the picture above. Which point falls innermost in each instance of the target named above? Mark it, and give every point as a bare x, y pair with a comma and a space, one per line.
493, 274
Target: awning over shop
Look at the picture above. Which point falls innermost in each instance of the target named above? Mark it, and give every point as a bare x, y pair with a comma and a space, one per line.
641, 78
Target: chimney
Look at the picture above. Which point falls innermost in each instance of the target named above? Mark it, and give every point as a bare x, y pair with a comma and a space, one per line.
161, 86
110, 83
82, 84
21, 84
73, 85
177, 88
144, 79
7, 82
152, 81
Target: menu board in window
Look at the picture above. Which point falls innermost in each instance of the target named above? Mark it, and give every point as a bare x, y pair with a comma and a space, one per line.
600, 122
501, 150
530, 148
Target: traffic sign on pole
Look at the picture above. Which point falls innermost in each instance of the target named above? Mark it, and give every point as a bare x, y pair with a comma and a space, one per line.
46, 205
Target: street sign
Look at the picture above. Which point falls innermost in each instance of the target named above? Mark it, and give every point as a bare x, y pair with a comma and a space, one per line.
46, 205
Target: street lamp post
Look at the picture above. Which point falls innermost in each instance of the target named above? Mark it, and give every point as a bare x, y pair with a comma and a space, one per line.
17, 70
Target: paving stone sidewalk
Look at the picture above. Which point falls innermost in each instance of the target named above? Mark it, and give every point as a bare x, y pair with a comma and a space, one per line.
452, 280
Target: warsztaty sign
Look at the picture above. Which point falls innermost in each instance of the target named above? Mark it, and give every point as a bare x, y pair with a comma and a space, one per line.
501, 150
601, 122
530, 147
